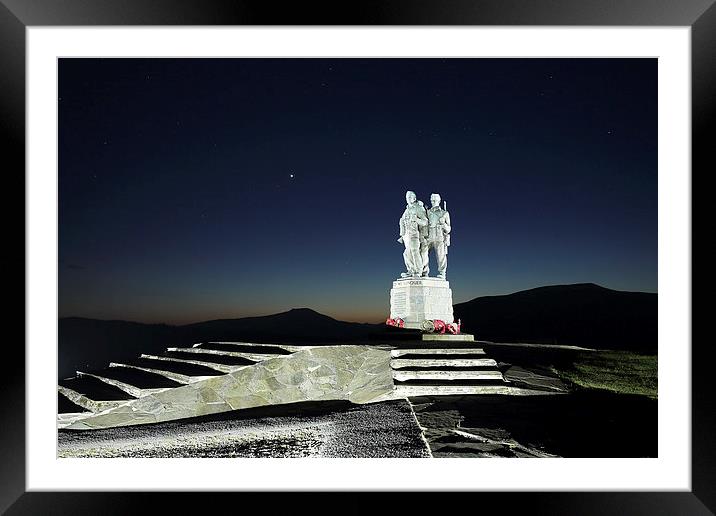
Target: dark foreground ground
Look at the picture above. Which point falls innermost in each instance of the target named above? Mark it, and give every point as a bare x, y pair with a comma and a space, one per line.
580, 424
621, 372
323, 429
610, 409
606, 406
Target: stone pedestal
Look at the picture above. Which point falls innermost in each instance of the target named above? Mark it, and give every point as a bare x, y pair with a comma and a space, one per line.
415, 300
448, 337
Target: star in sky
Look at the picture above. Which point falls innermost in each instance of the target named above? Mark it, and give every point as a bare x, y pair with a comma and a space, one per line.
539, 201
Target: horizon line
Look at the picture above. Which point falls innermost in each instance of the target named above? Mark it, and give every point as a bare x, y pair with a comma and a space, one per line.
336, 317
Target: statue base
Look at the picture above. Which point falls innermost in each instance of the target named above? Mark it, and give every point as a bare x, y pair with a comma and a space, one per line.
415, 300
448, 337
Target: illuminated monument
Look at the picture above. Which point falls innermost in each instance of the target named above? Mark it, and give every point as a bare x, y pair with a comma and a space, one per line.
214, 377
418, 301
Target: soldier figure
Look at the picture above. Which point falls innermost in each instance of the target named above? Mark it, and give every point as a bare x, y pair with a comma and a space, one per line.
413, 224
438, 237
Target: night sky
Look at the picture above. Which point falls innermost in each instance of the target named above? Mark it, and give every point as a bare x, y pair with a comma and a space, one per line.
194, 189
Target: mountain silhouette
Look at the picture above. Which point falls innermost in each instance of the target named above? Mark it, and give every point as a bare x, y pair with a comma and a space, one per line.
296, 325
582, 315
85, 344
90, 344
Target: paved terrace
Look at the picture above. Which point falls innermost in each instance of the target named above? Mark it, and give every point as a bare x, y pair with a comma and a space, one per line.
214, 377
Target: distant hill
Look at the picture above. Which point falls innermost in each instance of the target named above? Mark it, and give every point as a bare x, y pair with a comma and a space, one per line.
583, 314
90, 343
296, 325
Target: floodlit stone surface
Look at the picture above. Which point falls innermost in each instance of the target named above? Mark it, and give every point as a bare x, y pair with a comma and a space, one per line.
129, 389
399, 363
407, 391
179, 378
256, 357
415, 300
287, 347
360, 374
445, 337
87, 403
438, 351
211, 365
447, 376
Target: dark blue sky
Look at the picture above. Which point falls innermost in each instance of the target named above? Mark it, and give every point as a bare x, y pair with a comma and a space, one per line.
176, 201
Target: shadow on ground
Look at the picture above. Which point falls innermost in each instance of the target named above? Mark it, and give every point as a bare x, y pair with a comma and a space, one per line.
579, 424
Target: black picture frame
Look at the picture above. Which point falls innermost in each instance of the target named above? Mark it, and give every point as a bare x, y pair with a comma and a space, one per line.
17, 15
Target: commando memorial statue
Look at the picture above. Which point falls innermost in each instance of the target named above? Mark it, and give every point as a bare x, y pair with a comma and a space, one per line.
417, 300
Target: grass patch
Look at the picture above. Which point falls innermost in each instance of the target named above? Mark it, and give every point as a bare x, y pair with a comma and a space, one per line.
616, 371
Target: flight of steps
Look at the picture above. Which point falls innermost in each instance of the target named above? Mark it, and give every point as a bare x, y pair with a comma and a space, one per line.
448, 368
95, 391
439, 371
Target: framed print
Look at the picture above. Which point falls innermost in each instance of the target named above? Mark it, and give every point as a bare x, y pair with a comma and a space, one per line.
323, 250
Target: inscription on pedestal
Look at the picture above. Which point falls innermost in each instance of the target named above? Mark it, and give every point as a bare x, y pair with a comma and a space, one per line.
399, 301
417, 300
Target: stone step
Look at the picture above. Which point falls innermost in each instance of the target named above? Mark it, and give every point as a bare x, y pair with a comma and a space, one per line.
286, 347
72, 416
256, 357
180, 378
67, 408
246, 347
449, 390
87, 403
136, 377
448, 337
209, 357
464, 356
94, 389
448, 376
436, 351
135, 391
222, 368
65, 420
398, 363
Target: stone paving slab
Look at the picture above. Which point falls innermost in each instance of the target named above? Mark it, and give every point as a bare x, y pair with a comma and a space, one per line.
448, 337
360, 374
405, 391
446, 376
436, 351
398, 363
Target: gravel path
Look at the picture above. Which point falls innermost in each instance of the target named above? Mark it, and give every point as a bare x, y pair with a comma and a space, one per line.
327, 429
